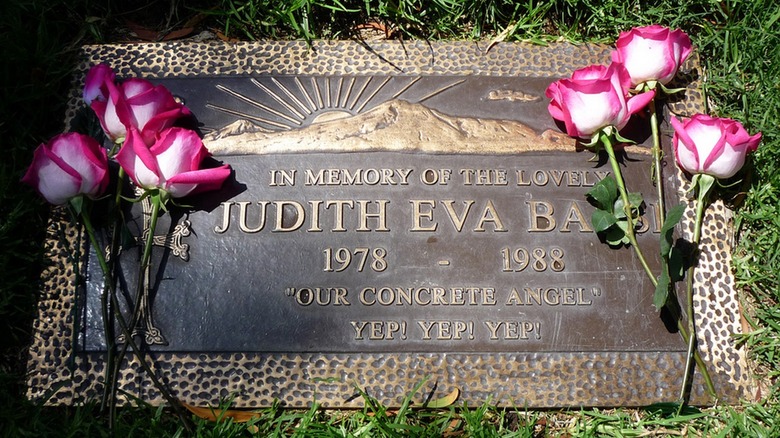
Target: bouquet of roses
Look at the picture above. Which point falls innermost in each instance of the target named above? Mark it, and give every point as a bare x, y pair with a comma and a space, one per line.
598, 101
163, 162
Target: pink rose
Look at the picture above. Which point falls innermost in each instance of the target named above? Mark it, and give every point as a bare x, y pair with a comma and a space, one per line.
139, 104
172, 163
652, 53
95, 83
712, 145
595, 97
67, 166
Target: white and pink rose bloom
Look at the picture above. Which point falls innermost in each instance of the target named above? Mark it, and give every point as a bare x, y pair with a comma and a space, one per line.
172, 163
135, 103
652, 53
711, 145
594, 98
69, 165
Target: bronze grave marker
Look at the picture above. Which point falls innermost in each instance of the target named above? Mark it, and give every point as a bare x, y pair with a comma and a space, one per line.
397, 211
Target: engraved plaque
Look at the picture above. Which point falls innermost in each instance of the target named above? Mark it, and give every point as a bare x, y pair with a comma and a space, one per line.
394, 213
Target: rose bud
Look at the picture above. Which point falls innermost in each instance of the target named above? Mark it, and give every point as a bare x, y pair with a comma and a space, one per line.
595, 97
712, 145
139, 104
67, 166
652, 53
172, 163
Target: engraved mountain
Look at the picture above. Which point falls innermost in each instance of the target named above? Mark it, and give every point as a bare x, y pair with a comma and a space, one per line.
395, 125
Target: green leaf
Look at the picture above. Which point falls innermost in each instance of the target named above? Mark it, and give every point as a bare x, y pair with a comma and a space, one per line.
662, 289
623, 225
604, 193
673, 217
615, 235
593, 144
669, 91
77, 204
602, 220
622, 139
676, 266
620, 212
636, 201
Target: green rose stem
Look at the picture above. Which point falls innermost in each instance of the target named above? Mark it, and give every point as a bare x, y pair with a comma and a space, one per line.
80, 208
146, 258
689, 332
109, 287
657, 175
75, 208
129, 341
703, 184
627, 207
657, 163
686, 334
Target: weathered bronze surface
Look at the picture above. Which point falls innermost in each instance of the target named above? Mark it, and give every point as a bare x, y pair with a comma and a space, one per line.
394, 213
427, 253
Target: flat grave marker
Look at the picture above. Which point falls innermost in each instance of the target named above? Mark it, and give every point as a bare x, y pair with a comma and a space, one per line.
397, 211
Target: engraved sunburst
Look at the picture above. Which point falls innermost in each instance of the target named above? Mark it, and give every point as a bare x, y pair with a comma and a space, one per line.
286, 103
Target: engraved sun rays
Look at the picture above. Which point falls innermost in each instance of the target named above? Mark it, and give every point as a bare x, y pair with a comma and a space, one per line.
286, 103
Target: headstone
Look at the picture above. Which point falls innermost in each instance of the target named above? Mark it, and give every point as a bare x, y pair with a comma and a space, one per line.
398, 211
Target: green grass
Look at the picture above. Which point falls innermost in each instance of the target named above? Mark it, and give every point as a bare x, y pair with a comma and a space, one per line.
746, 87
29, 83
740, 51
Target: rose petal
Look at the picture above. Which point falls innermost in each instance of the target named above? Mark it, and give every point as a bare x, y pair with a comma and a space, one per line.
138, 162
86, 157
640, 101
56, 184
197, 181
178, 150
113, 114
726, 162
94, 83
145, 100
54, 180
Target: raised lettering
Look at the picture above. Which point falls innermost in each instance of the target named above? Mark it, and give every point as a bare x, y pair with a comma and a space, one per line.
338, 214
541, 216
426, 328
457, 220
490, 214
295, 211
380, 215
418, 214
282, 177
575, 216
493, 327
219, 229
359, 326
242, 217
